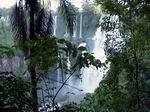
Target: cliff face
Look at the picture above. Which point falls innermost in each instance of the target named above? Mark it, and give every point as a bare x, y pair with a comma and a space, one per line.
84, 28
13, 64
90, 21
84, 25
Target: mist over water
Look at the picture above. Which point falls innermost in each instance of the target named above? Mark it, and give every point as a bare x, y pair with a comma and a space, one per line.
92, 76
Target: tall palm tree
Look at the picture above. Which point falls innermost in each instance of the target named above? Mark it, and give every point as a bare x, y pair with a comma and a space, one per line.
30, 20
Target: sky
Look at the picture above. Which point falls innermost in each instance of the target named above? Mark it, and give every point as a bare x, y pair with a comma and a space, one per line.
9, 3
6, 3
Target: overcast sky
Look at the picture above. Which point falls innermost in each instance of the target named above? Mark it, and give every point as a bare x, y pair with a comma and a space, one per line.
6, 3
9, 3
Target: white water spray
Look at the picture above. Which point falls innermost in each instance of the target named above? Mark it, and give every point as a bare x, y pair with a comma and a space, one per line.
81, 22
92, 76
75, 27
55, 25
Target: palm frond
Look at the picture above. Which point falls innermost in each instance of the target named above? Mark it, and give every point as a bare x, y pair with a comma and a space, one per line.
68, 11
50, 25
19, 24
43, 23
40, 23
32, 4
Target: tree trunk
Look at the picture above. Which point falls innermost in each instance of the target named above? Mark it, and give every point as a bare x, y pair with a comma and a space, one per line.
32, 68
34, 88
136, 73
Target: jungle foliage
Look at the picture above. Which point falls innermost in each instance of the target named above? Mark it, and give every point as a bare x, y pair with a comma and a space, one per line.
32, 28
125, 87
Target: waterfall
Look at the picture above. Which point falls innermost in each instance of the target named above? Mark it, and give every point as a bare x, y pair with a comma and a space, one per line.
81, 20
75, 27
91, 76
66, 33
55, 25
59, 71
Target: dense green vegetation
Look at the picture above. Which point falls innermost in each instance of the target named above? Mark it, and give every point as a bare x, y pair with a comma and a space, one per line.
5, 30
126, 85
33, 34
14, 95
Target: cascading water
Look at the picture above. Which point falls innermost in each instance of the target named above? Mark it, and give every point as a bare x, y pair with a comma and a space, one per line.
66, 33
92, 76
55, 25
81, 22
75, 27
55, 33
